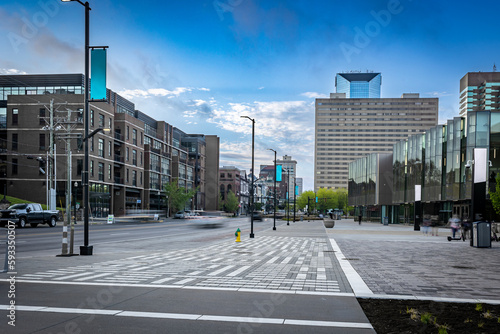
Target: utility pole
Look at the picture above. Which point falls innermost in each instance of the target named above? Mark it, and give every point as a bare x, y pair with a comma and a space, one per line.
69, 125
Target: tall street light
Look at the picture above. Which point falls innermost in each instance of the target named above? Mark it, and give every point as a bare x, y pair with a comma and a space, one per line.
86, 249
288, 195
275, 175
294, 195
251, 184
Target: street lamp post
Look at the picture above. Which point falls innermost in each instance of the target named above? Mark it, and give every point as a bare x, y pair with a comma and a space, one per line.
86, 249
288, 196
251, 183
294, 196
274, 219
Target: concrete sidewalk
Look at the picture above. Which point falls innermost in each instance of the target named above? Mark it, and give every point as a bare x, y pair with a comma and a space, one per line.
395, 261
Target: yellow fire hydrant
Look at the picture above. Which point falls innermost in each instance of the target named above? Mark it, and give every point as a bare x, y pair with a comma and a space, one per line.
237, 234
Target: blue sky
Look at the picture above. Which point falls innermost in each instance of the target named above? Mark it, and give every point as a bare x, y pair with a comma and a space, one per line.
199, 65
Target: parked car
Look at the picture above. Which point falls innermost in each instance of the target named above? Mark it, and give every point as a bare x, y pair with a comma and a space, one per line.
180, 214
29, 213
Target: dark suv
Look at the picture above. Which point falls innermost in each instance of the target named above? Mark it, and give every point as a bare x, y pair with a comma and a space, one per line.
257, 216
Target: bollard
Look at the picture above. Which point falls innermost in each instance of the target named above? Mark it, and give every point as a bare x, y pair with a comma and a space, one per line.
237, 234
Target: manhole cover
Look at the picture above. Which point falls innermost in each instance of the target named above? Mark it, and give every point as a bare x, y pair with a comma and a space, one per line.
462, 267
350, 259
328, 251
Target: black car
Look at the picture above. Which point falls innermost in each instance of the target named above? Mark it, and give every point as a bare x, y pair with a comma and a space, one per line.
257, 216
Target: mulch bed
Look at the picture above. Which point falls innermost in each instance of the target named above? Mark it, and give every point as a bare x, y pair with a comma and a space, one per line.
389, 316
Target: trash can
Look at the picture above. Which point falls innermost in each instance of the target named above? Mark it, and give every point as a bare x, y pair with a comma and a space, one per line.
481, 234
386, 220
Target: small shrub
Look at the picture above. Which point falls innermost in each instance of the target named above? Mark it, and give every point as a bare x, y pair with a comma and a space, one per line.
427, 318
479, 307
443, 329
487, 315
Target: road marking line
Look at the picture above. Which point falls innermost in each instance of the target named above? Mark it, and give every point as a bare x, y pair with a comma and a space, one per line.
94, 276
192, 317
184, 281
239, 271
357, 284
163, 280
159, 315
217, 272
327, 323
70, 276
273, 259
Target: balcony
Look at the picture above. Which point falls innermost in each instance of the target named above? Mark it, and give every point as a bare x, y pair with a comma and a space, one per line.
119, 159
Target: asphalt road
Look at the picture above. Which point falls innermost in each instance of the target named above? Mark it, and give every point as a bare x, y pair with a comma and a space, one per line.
135, 236
227, 289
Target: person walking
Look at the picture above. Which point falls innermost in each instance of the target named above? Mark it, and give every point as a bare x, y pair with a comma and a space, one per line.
454, 224
359, 219
426, 223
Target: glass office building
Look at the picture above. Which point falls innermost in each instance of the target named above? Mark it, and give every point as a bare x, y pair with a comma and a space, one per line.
437, 161
359, 85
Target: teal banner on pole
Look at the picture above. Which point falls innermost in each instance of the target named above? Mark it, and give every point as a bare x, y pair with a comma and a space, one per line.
98, 74
297, 190
279, 171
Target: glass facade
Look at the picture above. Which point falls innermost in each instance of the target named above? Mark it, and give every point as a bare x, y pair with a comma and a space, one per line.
437, 161
359, 85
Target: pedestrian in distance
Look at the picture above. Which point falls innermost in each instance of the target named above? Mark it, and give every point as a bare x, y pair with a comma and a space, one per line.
454, 224
359, 219
426, 223
434, 227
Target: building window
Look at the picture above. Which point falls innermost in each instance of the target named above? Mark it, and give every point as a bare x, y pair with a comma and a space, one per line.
14, 166
79, 167
92, 144
134, 136
127, 178
142, 138
134, 178
100, 171
141, 157
14, 142
101, 121
128, 130
101, 148
126, 153
15, 114
134, 157
109, 172
41, 142
42, 116
91, 167
109, 148
91, 117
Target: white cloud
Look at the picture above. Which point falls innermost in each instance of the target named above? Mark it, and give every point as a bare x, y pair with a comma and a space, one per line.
10, 71
314, 95
437, 94
157, 92
288, 120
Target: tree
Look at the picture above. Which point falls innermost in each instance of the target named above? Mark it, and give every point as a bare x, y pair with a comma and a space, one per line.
307, 197
177, 197
495, 196
232, 203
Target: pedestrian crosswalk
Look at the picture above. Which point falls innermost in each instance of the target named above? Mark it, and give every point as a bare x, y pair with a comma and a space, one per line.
282, 263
